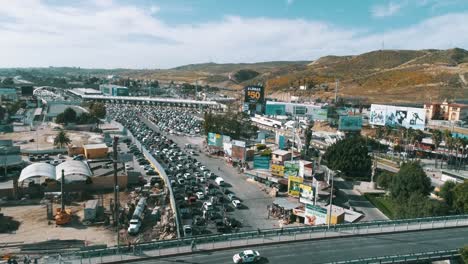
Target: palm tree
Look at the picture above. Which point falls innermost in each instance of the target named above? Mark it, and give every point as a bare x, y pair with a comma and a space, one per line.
62, 139
436, 139
448, 144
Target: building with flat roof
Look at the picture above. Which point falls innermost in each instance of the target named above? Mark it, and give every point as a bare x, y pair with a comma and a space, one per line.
113, 90
96, 151
8, 94
280, 156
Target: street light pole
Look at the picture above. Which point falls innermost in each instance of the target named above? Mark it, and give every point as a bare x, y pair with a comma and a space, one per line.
331, 199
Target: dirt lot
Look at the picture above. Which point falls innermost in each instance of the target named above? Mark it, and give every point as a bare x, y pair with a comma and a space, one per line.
44, 137
35, 227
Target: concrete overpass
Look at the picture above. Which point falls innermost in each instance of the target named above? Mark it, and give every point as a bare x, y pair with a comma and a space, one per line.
339, 249
144, 100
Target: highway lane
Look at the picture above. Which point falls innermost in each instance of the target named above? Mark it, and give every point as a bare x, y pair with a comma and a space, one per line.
331, 250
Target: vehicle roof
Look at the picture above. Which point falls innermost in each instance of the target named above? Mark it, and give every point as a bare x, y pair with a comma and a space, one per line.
248, 252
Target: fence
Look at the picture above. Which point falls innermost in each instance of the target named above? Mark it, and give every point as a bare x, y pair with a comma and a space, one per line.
268, 236
416, 257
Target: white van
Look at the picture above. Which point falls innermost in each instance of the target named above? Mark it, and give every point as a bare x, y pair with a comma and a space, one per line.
219, 181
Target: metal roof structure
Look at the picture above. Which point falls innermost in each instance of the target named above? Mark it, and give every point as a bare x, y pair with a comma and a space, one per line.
37, 170
74, 170
96, 146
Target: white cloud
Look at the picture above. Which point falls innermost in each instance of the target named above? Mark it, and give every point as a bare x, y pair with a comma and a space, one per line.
90, 35
386, 10
154, 9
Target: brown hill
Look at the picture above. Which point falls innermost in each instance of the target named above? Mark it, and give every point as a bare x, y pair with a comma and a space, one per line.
380, 76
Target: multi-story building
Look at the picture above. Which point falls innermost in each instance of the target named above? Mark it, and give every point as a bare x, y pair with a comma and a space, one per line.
446, 111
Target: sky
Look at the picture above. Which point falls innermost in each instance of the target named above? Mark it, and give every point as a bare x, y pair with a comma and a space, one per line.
159, 34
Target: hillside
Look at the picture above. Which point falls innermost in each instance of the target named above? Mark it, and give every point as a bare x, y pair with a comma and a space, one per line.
382, 76
379, 76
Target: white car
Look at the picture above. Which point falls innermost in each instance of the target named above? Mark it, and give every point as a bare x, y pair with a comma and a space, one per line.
246, 256
207, 206
134, 227
236, 203
200, 195
202, 168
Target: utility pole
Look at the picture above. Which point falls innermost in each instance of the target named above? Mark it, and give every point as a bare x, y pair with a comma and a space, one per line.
62, 189
116, 189
337, 81
331, 198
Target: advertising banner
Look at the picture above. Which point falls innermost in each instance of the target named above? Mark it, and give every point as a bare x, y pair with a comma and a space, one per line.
291, 168
294, 185
315, 215
226, 139
215, 140
306, 191
396, 116
350, 123
238, 153
238, 143
277, 170
260, 162
254, 94
320, 114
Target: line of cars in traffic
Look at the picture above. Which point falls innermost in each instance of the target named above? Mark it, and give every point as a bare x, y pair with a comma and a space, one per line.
204, 200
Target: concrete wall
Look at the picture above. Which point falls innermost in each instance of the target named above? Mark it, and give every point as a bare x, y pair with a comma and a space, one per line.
96, 153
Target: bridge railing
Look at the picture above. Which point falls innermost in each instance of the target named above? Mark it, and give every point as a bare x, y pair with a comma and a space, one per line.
406, 258
266, 236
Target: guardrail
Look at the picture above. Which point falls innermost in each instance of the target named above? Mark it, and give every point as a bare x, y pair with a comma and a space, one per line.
162, 172
268, 236
408, 258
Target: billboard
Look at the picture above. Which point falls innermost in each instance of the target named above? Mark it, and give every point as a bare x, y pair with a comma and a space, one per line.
350, 123
254, 94
277, 170
306, 192
27, 90
215, 140
261, 162
238, 143
397, 116
319, 114
294, 185
291, 169
238, 153
315, 215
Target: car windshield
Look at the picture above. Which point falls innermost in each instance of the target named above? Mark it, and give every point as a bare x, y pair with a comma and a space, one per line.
241, 254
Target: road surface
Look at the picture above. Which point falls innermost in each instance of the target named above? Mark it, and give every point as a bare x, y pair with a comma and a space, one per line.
255, 214
331, 250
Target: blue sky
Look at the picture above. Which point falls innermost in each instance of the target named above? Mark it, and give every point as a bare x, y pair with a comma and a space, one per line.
169, 33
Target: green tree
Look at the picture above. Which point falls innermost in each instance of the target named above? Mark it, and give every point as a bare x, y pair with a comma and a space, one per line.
464, 253
61, 139
349, 156
411, 179
8, 81
446, 192
69, 115
460, 197
419, 205
98, 110
308, 137
384, 180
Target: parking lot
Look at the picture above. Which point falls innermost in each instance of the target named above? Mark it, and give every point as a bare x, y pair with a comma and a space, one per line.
210, 196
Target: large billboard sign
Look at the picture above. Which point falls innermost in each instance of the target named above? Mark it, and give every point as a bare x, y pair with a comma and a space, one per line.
215, 140
291, 169
254, 94
397, 116
277, 170
350, 123
294, 184
261, 162
315, 215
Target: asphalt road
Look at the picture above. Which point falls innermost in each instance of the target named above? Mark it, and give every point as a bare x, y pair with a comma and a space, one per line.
331, 250
254, 215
